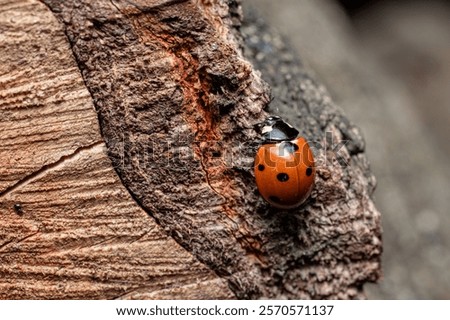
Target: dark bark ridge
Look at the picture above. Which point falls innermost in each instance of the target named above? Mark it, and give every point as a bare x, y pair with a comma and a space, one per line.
177, 103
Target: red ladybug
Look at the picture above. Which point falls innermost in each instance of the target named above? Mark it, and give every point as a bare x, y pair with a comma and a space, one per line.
284, 165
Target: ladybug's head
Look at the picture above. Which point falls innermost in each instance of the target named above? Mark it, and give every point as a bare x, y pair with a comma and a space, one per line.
275, 129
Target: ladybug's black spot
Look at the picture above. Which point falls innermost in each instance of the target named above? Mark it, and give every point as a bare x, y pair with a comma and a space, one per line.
309, 171
290, 147
283, 177
274, 199
261, 167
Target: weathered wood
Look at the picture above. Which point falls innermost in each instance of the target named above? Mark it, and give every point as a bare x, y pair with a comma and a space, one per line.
177, 104
68, 228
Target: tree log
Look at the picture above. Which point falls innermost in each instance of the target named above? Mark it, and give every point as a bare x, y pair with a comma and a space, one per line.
177, 103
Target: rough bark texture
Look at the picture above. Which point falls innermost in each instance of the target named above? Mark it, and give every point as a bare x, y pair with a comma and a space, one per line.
177, 104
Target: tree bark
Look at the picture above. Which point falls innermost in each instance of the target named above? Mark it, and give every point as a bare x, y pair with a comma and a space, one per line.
177, 103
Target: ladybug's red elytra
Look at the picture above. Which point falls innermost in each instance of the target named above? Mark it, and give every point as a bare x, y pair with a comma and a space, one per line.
284, 165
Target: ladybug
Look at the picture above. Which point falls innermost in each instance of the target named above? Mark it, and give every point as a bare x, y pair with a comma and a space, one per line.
284, 165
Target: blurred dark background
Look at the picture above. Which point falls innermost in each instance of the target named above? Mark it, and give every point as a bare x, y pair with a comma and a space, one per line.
387, 64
